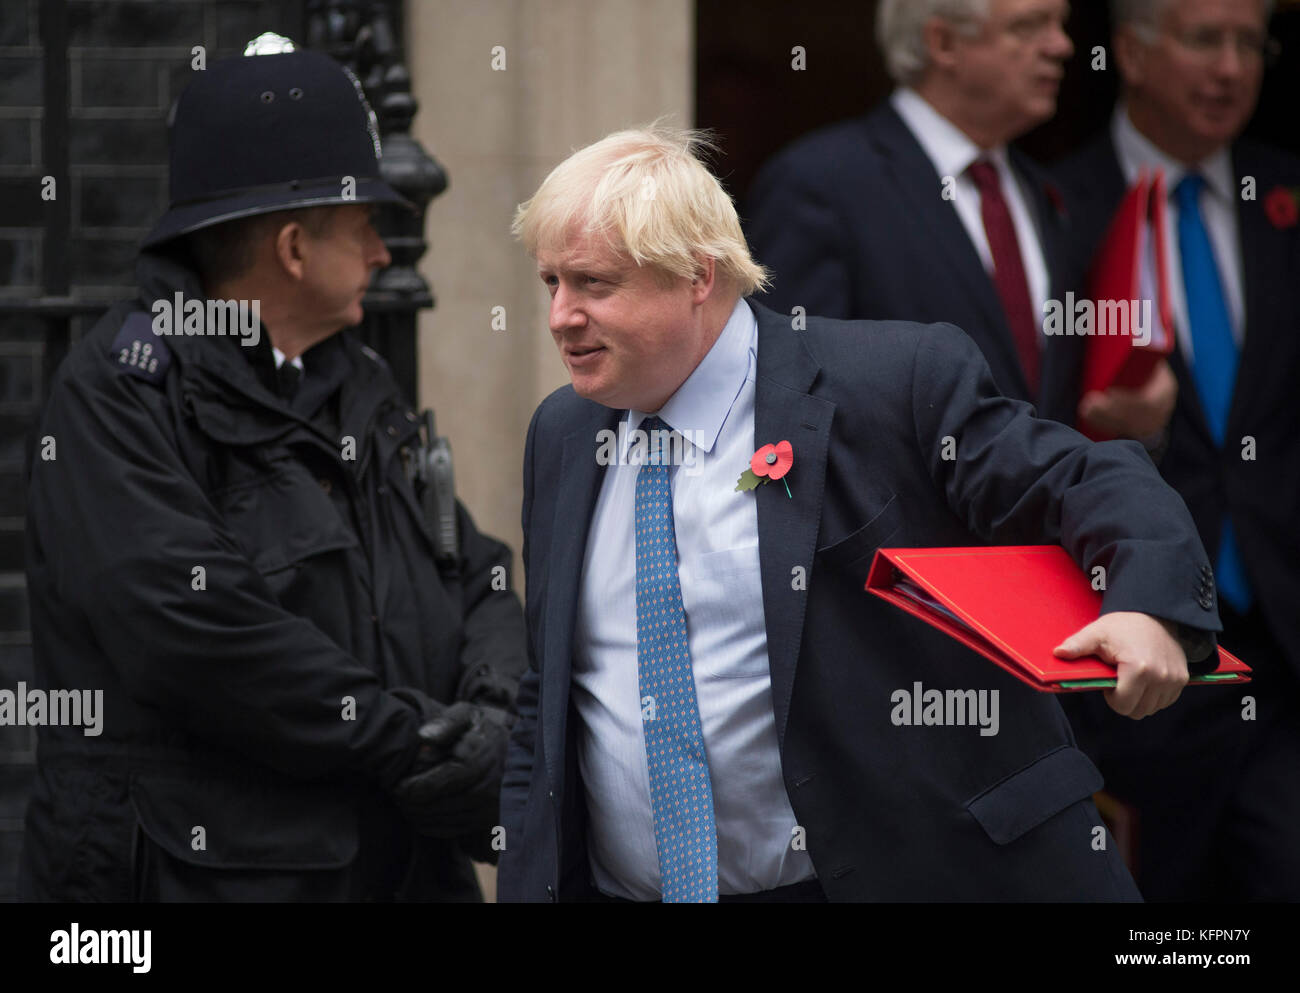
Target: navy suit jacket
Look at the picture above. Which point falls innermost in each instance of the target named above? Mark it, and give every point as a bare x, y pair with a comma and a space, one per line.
890, 813
852, 223
1261, 495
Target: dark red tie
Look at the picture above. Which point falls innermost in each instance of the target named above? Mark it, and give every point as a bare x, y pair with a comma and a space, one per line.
1008, 268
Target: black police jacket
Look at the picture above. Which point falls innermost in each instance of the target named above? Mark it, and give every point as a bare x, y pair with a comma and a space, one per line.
255, 593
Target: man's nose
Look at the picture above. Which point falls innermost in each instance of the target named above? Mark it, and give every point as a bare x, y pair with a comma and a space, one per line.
565, 312
379, 257
1229, 60
1059, 45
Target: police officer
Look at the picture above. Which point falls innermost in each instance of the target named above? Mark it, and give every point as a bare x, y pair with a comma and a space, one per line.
301, 699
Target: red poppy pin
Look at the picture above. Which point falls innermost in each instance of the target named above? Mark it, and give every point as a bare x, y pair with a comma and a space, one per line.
1282, 206
769, 462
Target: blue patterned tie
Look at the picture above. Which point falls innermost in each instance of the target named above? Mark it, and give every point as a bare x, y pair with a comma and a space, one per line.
1214, 361
681, 795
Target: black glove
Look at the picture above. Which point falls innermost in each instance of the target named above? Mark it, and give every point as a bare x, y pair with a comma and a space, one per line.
455, 787
485, 685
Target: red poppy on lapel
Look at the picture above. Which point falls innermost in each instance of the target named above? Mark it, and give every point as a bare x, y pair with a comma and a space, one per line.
769, 462
1282, 206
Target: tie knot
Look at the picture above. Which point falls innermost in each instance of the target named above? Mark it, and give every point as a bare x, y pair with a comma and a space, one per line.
1189, 189
985, 174
656, 432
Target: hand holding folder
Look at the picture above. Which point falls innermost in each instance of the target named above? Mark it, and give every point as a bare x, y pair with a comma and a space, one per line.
1013, 604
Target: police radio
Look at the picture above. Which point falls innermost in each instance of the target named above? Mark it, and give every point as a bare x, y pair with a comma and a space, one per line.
437, 489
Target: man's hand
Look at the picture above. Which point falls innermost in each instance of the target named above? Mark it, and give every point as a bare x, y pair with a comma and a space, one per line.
1133, 413
1152, 667
455, 788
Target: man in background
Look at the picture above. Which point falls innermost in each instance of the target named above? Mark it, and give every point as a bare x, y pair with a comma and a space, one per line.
1214, 781
922, 211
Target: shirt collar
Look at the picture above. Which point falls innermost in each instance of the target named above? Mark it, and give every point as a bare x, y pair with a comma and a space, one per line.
1136, 150
699, 408
948, 148
279, 359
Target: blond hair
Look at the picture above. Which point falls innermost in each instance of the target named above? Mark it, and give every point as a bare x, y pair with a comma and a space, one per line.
646, 192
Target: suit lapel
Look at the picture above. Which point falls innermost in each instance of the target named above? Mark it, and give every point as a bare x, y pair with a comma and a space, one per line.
788, 525
1062, 354
1263, 264
919, 185
579, 485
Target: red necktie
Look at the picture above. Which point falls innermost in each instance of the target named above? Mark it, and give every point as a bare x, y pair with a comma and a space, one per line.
1008, 268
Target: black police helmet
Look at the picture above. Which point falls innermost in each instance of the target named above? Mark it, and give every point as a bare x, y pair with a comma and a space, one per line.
259, 133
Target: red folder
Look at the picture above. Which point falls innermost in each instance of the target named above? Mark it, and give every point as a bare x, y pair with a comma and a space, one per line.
1130, 266
1013, 604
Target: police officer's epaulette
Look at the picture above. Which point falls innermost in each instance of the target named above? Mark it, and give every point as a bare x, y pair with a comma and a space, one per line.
375, 357
139, 351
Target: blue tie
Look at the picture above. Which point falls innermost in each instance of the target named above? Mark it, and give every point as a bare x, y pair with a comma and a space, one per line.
1214, 362
681, 795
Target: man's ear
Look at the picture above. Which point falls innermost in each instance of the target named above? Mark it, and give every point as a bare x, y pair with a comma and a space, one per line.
290, 248
1130, 56
940, 39
705, 275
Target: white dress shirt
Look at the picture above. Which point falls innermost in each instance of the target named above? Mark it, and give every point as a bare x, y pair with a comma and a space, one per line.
1218, 203
951, 153
296, 361
718, 563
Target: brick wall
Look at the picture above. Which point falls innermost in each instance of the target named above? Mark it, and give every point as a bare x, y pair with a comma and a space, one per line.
127, 61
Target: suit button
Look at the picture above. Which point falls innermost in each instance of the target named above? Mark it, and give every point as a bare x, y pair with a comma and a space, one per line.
392, 431
1205, 602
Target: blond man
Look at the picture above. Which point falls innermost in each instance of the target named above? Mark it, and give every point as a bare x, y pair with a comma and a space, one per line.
707, 712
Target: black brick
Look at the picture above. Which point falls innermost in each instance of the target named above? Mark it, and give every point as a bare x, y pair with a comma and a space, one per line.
104, 261
15, 664
122, 201
23, 206
16, 142
11, 843
105, 141
20, 80
14, 740
14, 429
15, 788
23, 327
17, 27
114, 24
13, 492
11, 550
13, 608
119, 83
18, 374
18, 261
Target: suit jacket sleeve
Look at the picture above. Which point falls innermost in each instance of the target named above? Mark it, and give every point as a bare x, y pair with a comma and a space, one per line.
492, 656
793, 228
1016, 479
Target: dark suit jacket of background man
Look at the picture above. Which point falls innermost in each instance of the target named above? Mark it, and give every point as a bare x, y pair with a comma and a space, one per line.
852, 223
1239, 840
1263, 495
891, 813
